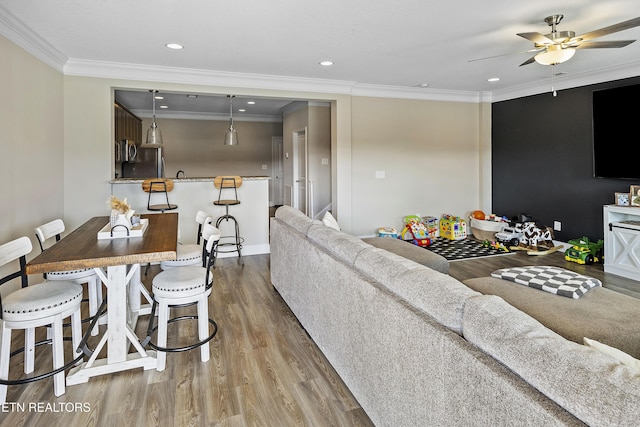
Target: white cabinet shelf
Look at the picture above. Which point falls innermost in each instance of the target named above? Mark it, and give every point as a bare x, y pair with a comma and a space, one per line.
622, 241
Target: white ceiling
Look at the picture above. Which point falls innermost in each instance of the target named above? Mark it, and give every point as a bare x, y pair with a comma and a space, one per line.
376, 45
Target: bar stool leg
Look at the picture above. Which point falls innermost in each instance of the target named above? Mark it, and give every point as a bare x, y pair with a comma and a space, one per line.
163, 321
30, 348
5, 350
58, 356
203, 327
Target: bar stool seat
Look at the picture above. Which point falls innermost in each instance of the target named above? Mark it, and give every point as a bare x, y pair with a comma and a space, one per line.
190, 253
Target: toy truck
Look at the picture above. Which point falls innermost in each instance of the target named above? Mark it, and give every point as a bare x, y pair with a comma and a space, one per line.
583, 251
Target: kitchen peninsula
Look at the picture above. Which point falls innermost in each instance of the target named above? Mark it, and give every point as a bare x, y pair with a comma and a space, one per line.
195, 194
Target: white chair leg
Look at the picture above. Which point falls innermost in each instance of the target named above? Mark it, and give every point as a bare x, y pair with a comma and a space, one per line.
76, 332
5, 351
203, 327
30, 349
163, 319
58, 356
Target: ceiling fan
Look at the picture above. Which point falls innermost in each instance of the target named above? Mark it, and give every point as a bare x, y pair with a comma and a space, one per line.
559, 46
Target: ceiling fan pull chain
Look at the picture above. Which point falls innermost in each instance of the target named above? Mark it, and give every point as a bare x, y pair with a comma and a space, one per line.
553, 80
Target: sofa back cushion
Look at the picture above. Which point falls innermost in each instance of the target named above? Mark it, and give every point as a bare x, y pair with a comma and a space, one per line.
342, 245
593, 387
296, 219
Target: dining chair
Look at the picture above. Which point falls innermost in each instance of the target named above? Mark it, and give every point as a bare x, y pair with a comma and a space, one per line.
53, 230
179, 287
32, 306
190, 253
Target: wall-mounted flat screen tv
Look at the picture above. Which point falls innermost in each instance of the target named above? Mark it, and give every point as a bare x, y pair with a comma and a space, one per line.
616, 132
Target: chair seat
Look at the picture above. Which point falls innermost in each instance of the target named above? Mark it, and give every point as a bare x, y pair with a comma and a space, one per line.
226, 202
41, 301
163, 207
180, 282
70, 274
186, 255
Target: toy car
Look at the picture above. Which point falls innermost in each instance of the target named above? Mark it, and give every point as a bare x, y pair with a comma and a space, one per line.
509, 235
583, 251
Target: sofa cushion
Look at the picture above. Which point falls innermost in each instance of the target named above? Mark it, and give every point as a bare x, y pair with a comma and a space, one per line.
602, 314
554, 280
410, 251
381, 265
583, 381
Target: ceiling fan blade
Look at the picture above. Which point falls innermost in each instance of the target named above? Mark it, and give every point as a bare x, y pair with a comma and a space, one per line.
532, 59
504, 54
601, 45
631, 23
536, 38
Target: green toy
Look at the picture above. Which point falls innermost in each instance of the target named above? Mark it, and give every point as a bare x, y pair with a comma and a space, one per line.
584, 251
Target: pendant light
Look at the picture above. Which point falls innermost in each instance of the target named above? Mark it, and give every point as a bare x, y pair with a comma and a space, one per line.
154, 136
231, 136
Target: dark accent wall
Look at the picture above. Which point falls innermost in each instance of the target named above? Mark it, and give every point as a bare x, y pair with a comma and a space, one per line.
542, 161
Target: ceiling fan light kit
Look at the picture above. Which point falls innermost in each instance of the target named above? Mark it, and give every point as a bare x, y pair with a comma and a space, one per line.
560, 46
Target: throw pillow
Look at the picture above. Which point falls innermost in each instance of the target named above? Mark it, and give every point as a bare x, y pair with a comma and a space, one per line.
631, 362
330, 221
555, 280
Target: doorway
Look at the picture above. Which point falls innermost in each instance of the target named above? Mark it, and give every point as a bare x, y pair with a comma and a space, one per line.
300, 170
277, 172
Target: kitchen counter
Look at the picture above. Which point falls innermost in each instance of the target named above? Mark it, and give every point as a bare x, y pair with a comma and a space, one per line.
198, 193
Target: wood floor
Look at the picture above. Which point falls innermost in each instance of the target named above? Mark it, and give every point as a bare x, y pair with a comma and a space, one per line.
264, 369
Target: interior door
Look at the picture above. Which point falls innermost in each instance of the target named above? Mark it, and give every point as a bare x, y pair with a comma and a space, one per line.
300, 177
277, 171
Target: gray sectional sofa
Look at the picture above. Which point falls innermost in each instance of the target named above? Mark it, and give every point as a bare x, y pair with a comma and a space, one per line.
418, 348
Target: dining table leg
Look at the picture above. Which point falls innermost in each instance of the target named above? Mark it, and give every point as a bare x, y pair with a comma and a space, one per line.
119, 335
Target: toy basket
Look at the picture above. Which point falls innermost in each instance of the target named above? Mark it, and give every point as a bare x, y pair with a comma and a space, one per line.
485, 230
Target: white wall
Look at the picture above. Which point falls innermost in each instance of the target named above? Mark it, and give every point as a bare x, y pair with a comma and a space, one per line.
429, 153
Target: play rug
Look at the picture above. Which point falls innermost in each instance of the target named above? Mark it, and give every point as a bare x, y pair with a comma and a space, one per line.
454, 250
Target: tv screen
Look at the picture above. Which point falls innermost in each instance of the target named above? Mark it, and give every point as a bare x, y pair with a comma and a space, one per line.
616, 133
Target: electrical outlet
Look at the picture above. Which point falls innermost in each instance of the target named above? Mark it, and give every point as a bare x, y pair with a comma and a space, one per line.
557, 226
380, 174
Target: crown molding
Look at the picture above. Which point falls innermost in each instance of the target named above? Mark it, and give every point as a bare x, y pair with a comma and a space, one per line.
16, 31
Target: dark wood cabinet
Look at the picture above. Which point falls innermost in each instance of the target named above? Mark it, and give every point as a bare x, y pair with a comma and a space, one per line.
127, 125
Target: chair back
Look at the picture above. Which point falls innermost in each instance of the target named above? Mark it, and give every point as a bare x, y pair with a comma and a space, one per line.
227, 181
11, 251
51, 229
158, 185
211, 236
202, 218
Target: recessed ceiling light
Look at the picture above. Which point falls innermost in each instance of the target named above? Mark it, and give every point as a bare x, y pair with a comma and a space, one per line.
192, 96
159, 97
326, 63
423, 85
164, 106
242, 110
493, 79
175, 46
251, 102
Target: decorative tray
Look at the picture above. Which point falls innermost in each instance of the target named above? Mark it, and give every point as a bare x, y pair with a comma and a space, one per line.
119, 232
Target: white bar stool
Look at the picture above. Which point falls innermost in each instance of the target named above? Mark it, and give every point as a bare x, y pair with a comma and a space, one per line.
44, 304
180, 287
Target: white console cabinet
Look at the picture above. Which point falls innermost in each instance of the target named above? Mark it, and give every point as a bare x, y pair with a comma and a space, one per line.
622, 241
